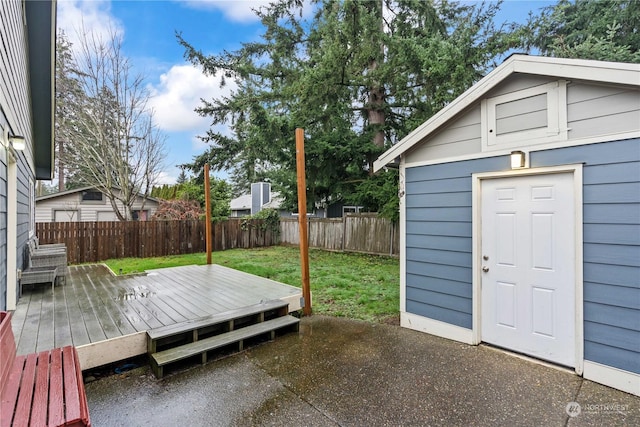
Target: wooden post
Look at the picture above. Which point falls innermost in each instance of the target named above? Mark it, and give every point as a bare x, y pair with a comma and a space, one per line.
207, 204
302, 219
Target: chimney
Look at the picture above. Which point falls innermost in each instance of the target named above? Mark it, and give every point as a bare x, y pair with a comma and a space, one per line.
260, 195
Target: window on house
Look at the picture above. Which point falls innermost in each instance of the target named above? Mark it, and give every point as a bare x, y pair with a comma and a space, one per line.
92, 196
139, 215
351, 209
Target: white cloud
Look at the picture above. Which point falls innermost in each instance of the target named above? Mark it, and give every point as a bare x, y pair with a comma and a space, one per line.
75, 17
179, 92
241, 10
234, 10
165, 178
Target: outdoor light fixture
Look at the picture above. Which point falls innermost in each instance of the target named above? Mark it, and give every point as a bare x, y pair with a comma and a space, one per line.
18, 142
517, 159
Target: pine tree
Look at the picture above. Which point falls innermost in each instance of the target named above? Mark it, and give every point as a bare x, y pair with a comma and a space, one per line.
358, 76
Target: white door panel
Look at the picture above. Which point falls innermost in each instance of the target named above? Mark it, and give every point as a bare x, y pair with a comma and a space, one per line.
528, 279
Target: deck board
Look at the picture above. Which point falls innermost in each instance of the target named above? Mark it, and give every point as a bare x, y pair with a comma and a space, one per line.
46, 334
61, 321
94, 307
117, 314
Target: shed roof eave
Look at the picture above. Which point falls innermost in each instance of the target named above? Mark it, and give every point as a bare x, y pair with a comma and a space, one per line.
582, 69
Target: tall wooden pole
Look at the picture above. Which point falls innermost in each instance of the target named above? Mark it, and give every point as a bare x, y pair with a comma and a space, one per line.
302, 218
207, 204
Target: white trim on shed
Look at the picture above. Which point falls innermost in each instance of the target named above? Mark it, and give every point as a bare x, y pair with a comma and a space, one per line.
566, 116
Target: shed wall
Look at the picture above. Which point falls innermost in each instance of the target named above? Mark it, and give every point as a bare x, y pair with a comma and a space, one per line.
439, 248
592, 110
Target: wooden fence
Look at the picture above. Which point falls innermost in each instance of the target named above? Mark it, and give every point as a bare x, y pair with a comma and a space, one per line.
98, 241
366, 233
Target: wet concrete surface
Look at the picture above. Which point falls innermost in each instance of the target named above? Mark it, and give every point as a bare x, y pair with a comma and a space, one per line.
341, 372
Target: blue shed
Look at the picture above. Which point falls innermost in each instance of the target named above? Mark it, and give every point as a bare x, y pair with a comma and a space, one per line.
520, 216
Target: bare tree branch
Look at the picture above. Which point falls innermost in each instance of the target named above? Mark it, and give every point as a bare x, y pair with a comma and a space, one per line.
115, 145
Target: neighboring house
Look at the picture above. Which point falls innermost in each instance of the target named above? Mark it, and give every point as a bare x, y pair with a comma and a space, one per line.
520, 216
262, 197
27, 31
87, 204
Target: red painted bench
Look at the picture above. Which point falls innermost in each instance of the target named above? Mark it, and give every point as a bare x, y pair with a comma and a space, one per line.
40, 389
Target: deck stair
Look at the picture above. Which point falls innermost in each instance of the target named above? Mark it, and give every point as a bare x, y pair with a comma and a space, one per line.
204, 338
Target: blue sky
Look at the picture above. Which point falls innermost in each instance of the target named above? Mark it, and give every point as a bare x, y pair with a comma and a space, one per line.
148, 29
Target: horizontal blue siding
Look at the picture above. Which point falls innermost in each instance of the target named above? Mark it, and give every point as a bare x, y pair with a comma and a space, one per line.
439, 214
446, 315
611, 214
614, 275
438, 241
441, 271
616, 173
460, 259
625, 255
447, 243
439, 248
612, 315
611, 233
599, 293
620, 338
459, 289
612, 356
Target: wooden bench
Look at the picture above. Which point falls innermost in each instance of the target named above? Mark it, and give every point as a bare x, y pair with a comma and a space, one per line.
40, 389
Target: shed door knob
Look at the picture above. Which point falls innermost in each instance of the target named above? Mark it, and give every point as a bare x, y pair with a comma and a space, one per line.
485, 268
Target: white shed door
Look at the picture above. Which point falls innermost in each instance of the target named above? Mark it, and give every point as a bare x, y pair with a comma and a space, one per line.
528, 265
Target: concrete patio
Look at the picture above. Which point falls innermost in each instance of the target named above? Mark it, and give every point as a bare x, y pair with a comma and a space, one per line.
340, 372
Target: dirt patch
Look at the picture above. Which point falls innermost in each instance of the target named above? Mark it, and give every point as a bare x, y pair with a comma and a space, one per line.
391, 320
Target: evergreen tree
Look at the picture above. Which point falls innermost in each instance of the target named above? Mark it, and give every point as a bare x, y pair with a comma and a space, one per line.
604, 30
68, 95
358, 76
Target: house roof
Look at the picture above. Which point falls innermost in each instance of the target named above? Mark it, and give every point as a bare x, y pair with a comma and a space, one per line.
41, 29
241, 203
244, 202
577, 69
79, 190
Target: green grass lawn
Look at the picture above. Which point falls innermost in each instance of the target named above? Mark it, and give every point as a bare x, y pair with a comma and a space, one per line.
347, 285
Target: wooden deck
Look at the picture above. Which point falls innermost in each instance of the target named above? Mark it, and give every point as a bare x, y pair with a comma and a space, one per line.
106, 317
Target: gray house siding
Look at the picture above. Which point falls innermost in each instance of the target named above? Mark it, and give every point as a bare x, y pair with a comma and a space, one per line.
592, 110
461, 137
518, 82
521, 114
601, 110
3, 228
13, 70
16, 117
24, 215
439, 247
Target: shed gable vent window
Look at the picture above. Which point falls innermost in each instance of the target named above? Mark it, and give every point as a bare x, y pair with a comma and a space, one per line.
535, 115
91, 196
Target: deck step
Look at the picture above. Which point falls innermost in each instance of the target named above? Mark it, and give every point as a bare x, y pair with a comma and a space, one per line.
202, 347
159, 339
